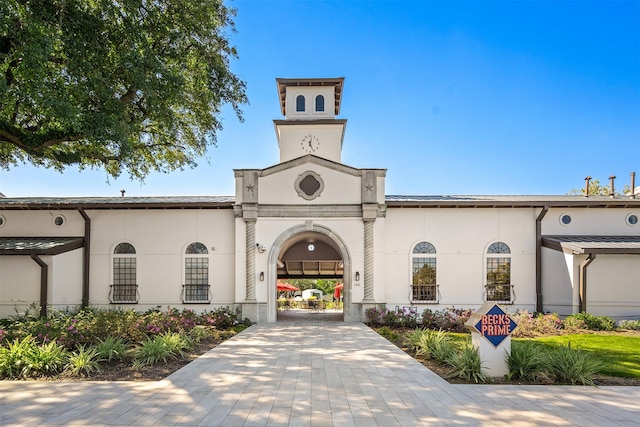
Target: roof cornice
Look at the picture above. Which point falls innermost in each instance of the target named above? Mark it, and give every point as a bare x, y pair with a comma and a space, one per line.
394, 201
74, 203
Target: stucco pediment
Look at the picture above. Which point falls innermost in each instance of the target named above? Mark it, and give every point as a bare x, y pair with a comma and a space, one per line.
312, 160
310, 180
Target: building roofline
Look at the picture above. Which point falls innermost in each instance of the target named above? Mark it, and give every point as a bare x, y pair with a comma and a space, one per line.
392, 201
74, 203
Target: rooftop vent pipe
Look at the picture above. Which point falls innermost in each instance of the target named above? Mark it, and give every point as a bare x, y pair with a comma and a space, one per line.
632, 192
612, 191
586, 186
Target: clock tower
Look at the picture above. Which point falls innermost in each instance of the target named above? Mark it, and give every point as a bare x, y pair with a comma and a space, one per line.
310, 107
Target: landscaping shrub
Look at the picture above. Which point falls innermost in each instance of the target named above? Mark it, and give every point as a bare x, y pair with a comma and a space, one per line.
450, 319
574, 324
78, 340
408, 317
161, 348
414, 339
111, 348
527, 362
573, 365
46, 359
14, 357
201, 332
83, 361
532, 325
117, 323
178, 343
390, 334
150, 352
465, 364
594, 323
223, 318
633, 325
373, 316
390, 318
440, 346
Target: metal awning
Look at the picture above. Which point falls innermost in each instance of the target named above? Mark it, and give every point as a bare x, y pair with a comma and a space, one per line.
39, 245
576, 245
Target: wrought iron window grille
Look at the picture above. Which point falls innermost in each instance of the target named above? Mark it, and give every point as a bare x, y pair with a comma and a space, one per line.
423, 293
504, 294
196, 294
124, 294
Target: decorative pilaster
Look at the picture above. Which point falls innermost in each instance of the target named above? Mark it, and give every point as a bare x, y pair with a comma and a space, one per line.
251, 259
368, 262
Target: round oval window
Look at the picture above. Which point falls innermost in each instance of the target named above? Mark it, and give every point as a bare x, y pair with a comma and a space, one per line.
632, 219
565, 219
59, 220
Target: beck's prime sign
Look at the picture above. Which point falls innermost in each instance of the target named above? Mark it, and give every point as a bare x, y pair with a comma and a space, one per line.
491, 322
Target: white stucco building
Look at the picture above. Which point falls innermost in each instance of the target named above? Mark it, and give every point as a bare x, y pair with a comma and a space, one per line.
313, 216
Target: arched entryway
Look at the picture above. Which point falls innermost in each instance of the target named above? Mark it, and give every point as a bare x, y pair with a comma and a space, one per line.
329, 257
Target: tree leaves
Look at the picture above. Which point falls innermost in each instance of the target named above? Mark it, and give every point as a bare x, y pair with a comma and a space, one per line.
126, 85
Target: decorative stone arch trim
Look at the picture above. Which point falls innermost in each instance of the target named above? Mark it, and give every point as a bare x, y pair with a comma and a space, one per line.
273, 259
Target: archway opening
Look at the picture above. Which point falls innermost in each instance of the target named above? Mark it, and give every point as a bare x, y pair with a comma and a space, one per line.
310, 271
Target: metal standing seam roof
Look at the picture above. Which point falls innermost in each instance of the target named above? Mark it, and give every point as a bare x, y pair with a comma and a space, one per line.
166, 202
576, 245
39, 245
392, 201
509, 201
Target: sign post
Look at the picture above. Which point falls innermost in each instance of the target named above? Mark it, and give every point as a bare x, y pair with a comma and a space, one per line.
491, 329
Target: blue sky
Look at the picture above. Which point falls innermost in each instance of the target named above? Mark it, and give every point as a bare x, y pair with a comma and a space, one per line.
452, 97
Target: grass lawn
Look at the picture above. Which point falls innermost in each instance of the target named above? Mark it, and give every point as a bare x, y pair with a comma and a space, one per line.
620, 354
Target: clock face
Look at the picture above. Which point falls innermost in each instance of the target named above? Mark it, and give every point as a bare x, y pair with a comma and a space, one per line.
310, 144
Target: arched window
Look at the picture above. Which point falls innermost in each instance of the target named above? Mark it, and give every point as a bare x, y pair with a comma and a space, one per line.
195, 289
319, 103
498, 286
124, 287
300, 103
423, 271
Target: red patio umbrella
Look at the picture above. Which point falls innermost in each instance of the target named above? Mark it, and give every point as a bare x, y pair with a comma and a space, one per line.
281, 286
337, 290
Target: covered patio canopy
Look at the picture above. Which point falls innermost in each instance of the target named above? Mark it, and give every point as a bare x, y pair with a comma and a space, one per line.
36, 246
39, 245
615, 245
591, 246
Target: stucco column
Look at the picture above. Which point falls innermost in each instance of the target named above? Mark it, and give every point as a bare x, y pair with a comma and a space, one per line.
251, 259
368, 262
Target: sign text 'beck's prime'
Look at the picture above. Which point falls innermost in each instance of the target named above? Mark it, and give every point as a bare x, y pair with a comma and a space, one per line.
491, 322
495, 324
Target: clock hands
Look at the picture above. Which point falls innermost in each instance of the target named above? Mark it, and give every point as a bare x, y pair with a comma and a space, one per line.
309, 140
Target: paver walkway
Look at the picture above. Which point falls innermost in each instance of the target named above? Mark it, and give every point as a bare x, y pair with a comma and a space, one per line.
306, 372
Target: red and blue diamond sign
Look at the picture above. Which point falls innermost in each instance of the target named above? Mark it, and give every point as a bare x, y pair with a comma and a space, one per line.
492, 323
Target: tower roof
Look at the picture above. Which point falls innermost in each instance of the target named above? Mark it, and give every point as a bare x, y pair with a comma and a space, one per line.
336, 82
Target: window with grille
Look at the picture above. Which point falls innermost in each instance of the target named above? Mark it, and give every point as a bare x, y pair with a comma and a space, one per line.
124, 287
498, 286
423, 268
196, 274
